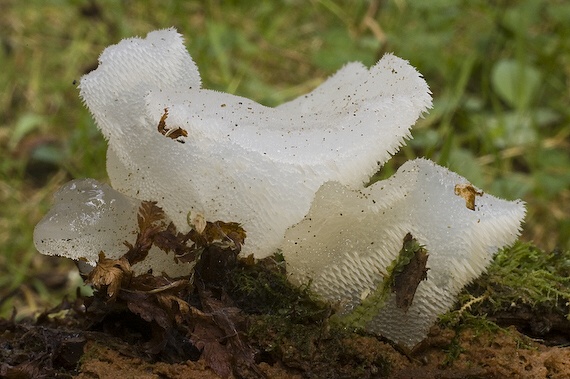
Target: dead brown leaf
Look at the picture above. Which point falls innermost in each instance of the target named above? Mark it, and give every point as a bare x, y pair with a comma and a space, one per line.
146, 306
109, 275
151, 222
467, 192
219, 333
158, 298
411, 273
174, 133
176, 306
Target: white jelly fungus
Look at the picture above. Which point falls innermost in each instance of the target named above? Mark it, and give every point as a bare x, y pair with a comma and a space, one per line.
293, 176
89, 217
242, 161
349, 238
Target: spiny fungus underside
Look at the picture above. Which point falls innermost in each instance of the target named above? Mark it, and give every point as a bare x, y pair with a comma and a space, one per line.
402, 278
349, 239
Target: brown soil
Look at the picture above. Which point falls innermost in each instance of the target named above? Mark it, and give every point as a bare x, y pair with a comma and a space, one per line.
54, 348
259, 326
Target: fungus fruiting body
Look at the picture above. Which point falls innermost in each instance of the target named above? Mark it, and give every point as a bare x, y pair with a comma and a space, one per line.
89, 217
242, 161
350, 238
394, 254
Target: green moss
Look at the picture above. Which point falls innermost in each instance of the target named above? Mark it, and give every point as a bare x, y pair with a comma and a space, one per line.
320, 349
526, 274
524, 286
452, 352
367, 309
264, 289
289, 324
523, 275
403, 276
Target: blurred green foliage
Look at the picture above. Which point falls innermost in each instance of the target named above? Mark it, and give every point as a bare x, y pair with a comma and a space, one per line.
499, 73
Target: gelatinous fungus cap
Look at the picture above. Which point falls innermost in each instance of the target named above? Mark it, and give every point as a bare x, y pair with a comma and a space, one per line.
230, 158
393, 255
350, 240
89, 217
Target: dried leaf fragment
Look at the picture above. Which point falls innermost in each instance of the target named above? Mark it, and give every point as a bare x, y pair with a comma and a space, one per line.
217, 235
409, 271
219, 334
227, 234
174, 133
197, 221
151, 222
468, 192
110, 274
220, 243
158, 298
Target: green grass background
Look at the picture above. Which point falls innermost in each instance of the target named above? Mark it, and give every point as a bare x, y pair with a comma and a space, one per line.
499, 72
